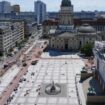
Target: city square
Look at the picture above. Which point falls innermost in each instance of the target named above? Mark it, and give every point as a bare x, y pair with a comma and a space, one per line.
52, 57
61, 71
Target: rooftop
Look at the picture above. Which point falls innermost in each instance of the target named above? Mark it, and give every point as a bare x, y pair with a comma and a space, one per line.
63, 31
66, 3
3, 27
99, 49
86, 28
99, 45
63, 34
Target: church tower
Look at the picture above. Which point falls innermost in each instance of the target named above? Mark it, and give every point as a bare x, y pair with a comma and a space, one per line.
66, 13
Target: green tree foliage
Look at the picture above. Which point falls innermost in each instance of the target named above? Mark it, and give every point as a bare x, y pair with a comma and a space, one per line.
87, 49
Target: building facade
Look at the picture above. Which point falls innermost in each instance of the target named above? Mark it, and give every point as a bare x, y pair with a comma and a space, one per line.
65, 36
87, 15
16, 9
97, 23
10, 34
66, 40
99, 53
40, 11
5, 7
32, 28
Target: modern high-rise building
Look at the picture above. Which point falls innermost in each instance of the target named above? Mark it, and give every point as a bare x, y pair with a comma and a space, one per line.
5, 7
40, 11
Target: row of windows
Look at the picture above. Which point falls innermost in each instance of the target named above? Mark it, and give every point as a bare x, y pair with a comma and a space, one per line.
58, 47
68, 40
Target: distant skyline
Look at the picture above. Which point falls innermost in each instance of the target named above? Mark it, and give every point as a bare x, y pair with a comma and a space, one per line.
54, 5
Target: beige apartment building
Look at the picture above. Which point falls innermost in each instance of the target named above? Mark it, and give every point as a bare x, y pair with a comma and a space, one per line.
10, 33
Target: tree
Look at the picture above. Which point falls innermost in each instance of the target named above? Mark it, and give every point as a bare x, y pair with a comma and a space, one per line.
11, 49
87, 49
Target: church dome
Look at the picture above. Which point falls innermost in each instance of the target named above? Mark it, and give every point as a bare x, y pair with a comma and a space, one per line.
86, 28
66, 3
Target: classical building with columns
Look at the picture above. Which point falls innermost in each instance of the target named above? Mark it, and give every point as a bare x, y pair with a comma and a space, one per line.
65, 36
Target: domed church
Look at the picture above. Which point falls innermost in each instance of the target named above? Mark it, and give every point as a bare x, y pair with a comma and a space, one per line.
68, 37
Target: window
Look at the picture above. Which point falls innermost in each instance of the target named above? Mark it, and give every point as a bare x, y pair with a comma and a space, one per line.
53, 45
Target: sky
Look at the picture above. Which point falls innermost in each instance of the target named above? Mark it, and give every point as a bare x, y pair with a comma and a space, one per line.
54, 5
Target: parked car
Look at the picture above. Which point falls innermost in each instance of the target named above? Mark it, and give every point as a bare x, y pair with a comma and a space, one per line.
34, 62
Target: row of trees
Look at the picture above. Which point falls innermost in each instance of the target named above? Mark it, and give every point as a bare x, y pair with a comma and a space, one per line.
18, 44
86, 49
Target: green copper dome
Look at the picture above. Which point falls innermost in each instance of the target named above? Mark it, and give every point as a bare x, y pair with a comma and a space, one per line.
66, 3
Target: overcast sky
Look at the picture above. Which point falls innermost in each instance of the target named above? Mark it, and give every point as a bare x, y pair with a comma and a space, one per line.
53, 5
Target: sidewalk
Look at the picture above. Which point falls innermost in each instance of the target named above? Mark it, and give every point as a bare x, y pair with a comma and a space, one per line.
14, 84
8, 77
81, 95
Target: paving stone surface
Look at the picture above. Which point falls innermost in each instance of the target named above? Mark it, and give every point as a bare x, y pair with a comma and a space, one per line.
61, 71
